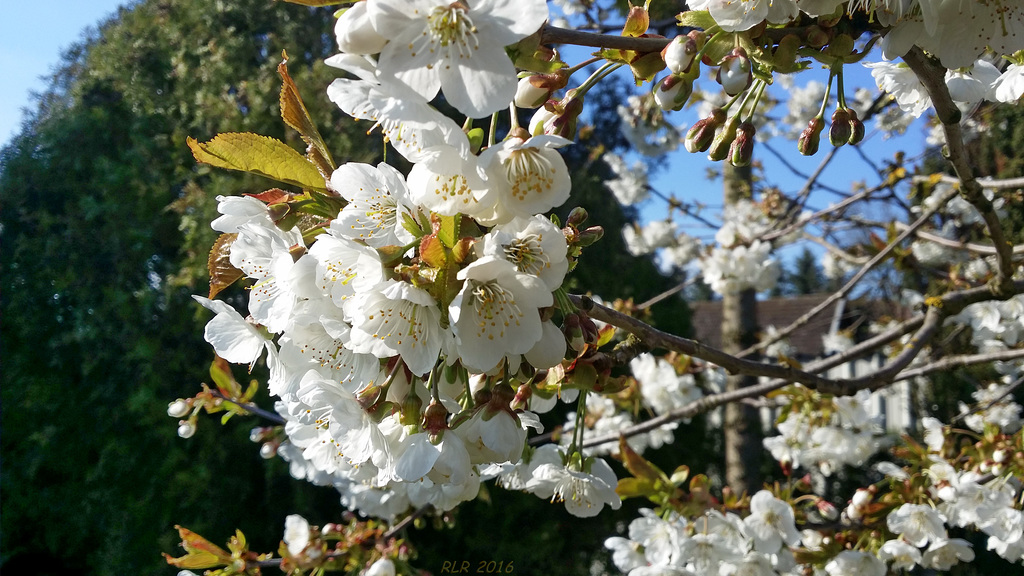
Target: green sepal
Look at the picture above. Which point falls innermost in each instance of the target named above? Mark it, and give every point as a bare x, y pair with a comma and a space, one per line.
696, 19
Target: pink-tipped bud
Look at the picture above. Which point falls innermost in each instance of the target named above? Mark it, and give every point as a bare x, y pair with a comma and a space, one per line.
742, 149
856, 129
673, 92
435, 418
735, 73
590, 235
679, 54
529, 95
573, 330
810, 138
701, 134
558, 118
840, 131
577, 216
817, 36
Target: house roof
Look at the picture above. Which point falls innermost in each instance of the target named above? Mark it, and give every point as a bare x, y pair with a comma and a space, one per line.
781, 312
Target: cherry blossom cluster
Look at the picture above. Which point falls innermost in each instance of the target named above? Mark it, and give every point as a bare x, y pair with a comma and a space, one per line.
823, 433
714, 543
398, 333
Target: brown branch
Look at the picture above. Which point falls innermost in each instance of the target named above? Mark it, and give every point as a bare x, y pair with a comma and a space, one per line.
995, 183
554, 35
926, 326
968, 246
960, 361
654, 338
932, 76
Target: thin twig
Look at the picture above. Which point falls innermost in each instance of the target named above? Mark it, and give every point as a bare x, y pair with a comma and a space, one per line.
959, 361
1009, 390
265, 414
842, 292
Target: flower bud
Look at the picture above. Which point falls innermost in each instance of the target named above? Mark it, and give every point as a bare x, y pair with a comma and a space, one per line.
840, 131
700, 135
573, 330
637, 21
853, 513
577, 216
278, 211
410, 414
186, 429
999, 456
178, 408
719, 149
523, 395
817, 36
268, 451
742, 149
529, 95
679, 54
544, 116
590, 235
811, 137
558, 118
827, 510
856, 129
435, 418
382, 567
735, 73
861, 498
673, 92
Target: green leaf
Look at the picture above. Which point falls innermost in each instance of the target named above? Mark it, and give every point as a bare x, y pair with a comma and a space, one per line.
411, 225
294, 113
696, 19
680, 475
261, 155
220, 372
447, 229
391, 255
634, 488
638, 466
222, 273
432, 251
254, 387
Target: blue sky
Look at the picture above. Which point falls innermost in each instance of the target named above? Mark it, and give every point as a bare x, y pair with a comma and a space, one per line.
33, 35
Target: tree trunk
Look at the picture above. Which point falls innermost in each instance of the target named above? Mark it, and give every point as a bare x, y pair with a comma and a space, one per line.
739, 330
